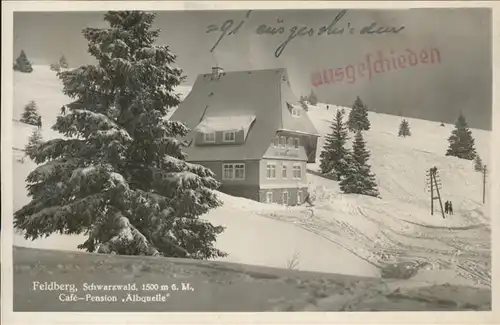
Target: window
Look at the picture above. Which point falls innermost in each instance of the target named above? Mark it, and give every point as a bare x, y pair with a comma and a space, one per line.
209, 137
229, 136
285, 197
275, 142
299, 197
296, 111
296, 143
284, 171
271, 171
282, 142
228, 172
239, 171
297, 171
269, 197
233, 171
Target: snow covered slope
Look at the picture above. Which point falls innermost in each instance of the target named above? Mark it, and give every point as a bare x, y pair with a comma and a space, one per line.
401, 163
243, 225
399, 227
348, 234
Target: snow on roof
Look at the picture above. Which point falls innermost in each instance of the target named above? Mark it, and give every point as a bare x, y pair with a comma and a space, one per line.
300, 132
226, 123
236, 94
296, 124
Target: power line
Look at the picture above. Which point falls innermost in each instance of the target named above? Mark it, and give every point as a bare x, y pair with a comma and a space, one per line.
434, 183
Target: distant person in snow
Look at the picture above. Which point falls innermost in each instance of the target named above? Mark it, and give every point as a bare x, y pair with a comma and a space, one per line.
446, 207
39, 122
63, 110
308, 200
450, 208
327, 107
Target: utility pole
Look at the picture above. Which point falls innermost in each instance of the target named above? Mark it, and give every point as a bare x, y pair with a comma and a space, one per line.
434, 183
484, 183
430, 186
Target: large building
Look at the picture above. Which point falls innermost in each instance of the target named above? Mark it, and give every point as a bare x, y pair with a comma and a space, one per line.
251, 131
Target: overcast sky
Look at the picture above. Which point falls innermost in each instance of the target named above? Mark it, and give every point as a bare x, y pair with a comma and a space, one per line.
462, 81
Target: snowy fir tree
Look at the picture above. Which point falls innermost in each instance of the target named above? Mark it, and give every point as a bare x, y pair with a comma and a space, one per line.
312, 99
22, 63
120, 177
461, 141
63, 63
55, 67
404, 129
33, 142
359, 179
30, 114
333, 158
358, 117
478, 164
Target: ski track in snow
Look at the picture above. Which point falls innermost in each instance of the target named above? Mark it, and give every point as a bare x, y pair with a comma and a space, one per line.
469, 261
396, 228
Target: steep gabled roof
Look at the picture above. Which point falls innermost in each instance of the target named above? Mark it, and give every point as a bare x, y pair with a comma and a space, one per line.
238, 93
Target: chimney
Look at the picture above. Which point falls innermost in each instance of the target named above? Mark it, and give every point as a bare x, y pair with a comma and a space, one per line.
216, 72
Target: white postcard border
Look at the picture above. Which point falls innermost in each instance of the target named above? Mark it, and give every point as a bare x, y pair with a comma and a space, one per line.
8, 317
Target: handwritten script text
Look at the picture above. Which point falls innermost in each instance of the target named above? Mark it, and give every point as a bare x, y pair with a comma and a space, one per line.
338, 26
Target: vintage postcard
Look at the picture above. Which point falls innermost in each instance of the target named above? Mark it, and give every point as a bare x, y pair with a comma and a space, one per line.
276, 160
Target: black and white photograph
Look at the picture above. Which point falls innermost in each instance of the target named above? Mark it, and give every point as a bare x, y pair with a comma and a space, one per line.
250, 160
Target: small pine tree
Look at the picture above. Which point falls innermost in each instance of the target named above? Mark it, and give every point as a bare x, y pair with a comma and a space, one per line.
358, 117
23, 64
120, 175
34, 141
333, 158
55, 67
478, 164
63, 63
461, 141
30, 114
404, 129
312, 99
359, 179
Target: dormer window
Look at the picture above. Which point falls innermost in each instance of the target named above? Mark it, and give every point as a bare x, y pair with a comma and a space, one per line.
296, 111
275, 142
282, 142
209, 137
229, 136
224, 130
